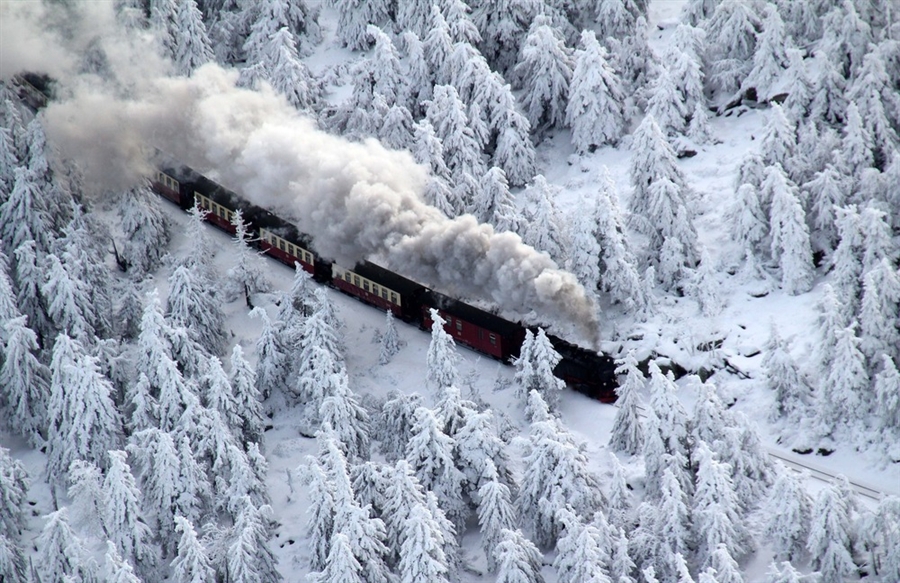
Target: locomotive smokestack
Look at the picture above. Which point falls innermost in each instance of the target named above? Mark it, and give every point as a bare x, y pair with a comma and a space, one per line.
355, 199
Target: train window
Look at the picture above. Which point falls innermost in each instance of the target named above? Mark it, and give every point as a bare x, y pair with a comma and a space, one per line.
459, 325
375, 289
281, 244
383, 294
394, 298
347, 276
365, 285
356, 280
493, 339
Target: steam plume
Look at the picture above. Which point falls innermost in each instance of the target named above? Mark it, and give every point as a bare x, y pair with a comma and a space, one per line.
355, 199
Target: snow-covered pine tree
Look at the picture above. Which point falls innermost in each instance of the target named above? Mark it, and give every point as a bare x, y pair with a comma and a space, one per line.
788, 511
246, 277
857, 146
419, 76
716, 513
799, 87
442, 357
518, 560
842, 393
627, 435
545, 70
543, 225
354, 18
492, 196
887, 393
68, 300
770, 57
249, 407
350, 421
249, 556
117, 569
515, 151
584, 246
783, 377
272, 366
684, 61
827, 190
390, 80
495, 512
191, 47
673, 524
61, 555
668, 408
790, 245
430, 456
194, 307
595, 109
13, 492
29, 278
422, 557
25, 383
403, 493
158, 464
191, 563
390, 342
829, 536
878, 332
340, 566
145, 228
534, 369
126, 526
665, 103
394, 425
731, 37
396, 130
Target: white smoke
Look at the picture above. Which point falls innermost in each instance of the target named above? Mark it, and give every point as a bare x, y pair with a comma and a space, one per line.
355, 199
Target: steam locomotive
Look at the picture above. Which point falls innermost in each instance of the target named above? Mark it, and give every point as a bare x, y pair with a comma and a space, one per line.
584, 370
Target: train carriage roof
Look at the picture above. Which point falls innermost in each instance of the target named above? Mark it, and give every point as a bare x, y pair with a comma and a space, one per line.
389, 279
471, 314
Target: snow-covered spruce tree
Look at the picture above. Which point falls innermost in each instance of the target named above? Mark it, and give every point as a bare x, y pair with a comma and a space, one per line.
788, 511
421, 557
731, 37
619, 497
887, 393
126, 526
543, 225
846, 262
518, 560
545, 71
61, 555
249, 556
68, 300
877, 237
438, 45
584, 247
790, 245
627, 435
716, 513
495, 513
419, 75
556, 474
857, 145
191, 563
390, 80
403, 493
192, 306
684, 61
25, 383
117, 569
442, 357
158, 464
390, 342
492, 196
704, 286
350, 421
354, 18
503, 26
747, 217
191, 47
783, 377
394, 425
582, 551
878, 331
829, 537
534, 369
243, 381
219, 395
246, 277
13, 492
396, 130
272, 367
886, 537
799, 87
145, 228
673, 525
29, 279
878, 105
321, 512
451, 411
477, 443
842, 393
430, 455
770, 58
674, 422
665, 103
595, 109
84, 257
515, 151
340, 566
828, 190
82, 419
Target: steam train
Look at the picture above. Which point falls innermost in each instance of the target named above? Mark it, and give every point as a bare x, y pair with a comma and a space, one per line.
584, 370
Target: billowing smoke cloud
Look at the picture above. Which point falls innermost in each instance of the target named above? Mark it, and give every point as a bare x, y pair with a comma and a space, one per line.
355, 199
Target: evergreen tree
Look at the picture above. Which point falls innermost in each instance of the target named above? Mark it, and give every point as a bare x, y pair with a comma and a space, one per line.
790, 234
29, 280
515, 151
421, 557
395, 423
827, 191
716, 513
534, 369
22, 217
25, 383
125, 524
144, 227
402, 494
246, 276
192, 306
191, 563
246, 393
878, 311
799, 88
249, 557
191, 45
846, 261
347, 417
341, 566
518, 560
770, 58
887, 383
879, 107
272, 366
595, 107
13, 492
61, 555
665, 104
492, 197
419, 75
857, 146
731, 37
442, 357
321, 512
68, 300
543, 228
495, 513
673, 524
784, 378
545, 68
117, 569
779, 141
788, 512
842, 392
627, 435
390, 342
582, 553
430, 456
829, 536
584, 248
684, 61
829, 102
